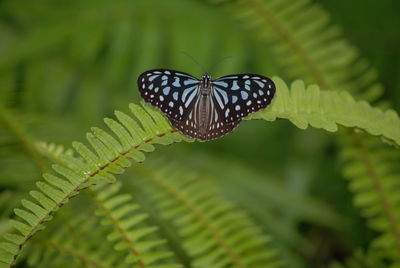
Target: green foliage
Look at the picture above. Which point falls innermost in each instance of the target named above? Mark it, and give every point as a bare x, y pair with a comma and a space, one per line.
75, 243
119, 212
325, 109
316, 52
214, 233
109, 157
373, 172
267, 195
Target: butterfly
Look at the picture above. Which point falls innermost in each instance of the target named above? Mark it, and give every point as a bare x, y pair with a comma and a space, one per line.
205, 109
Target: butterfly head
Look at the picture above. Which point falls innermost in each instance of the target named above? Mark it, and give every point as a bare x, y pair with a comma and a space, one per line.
205, 84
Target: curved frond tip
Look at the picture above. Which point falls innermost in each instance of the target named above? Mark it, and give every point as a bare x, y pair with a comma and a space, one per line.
305, 106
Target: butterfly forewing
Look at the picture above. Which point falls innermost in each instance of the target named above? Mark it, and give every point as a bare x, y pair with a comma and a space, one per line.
202, 109
174, 93
236, 96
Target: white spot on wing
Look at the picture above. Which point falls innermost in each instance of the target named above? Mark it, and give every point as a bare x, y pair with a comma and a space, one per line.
227, 112
237, 107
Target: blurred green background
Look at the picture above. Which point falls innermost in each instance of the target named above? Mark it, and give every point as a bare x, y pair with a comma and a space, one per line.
65, 65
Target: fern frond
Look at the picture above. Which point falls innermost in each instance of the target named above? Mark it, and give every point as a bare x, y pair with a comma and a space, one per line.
109, 156
373, 171
129, 234
307, 45
215, 233
312, 49
326, 109
76, 243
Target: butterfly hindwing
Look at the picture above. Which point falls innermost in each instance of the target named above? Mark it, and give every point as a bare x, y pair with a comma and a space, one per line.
171, 91
236, 96
217, 127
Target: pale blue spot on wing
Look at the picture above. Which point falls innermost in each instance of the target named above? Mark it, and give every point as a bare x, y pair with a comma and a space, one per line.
230, 77
175, 95
176, 83
223, 94
185, 75
164, 77
244, 95
166, 90
164, 83
190, 82
219, 100
234, 99
186, 92
190, 98
151, 78
235, 85
261, 84
221, 84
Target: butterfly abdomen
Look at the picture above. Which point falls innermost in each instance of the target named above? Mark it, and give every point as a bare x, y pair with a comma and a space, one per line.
204, 114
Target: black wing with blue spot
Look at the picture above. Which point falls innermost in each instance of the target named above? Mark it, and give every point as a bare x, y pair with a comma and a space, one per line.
236, 96
171, 91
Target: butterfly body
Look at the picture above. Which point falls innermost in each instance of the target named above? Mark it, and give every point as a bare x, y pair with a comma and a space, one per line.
205, 109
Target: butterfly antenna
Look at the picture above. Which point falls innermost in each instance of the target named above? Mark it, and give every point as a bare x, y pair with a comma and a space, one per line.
194, 60
221, 60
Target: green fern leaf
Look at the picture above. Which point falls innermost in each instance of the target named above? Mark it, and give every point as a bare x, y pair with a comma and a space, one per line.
127, 234
215, 233
325, 109
373, 172
307, 46
108, 158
